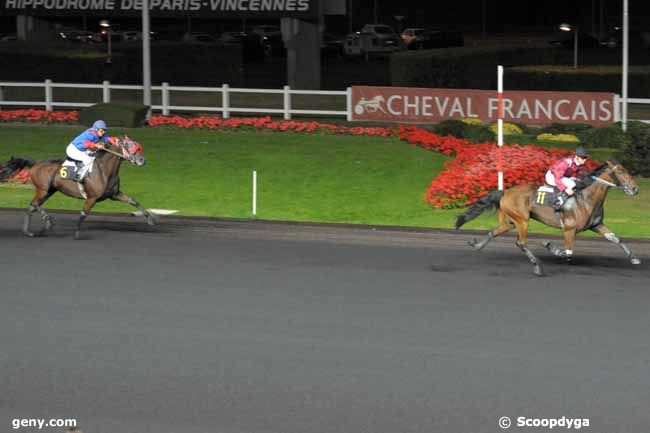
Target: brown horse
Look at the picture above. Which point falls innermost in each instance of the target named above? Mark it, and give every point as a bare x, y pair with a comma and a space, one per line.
102, 183
583, 211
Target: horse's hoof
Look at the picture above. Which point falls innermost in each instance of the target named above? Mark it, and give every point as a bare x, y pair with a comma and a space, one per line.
28, 233
77, 235
152, 221
472, 243
635, 261
538, 271
547, 245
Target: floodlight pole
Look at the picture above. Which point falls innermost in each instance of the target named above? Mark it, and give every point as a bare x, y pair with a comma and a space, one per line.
146, 57
626, 40
109, 59
575, 48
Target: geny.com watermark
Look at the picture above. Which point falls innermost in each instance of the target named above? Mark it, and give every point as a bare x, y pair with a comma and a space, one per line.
549, 423
42, 423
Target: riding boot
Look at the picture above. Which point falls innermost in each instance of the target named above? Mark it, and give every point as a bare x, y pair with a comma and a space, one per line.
81, 173
560, 200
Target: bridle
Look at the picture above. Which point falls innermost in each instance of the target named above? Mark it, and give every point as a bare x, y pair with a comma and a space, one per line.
617, 183
126, 154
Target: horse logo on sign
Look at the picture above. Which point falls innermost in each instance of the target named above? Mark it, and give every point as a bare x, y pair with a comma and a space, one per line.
371, 105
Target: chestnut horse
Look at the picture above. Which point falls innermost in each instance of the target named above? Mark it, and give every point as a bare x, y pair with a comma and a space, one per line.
583, 211
101, 184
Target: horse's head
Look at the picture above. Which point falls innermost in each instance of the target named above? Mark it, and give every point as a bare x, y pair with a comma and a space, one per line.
131, 150
620, 177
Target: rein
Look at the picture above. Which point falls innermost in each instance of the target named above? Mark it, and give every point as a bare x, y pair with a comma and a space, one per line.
119, 155
604, 182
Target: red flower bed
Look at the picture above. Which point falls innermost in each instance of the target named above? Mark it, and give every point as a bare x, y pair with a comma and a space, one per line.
33, 115
465, 179
214, 122
474, 172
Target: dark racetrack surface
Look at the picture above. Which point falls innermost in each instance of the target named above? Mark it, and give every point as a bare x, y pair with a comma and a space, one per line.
248, 327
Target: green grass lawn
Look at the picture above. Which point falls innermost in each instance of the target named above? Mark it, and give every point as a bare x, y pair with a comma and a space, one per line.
302, 177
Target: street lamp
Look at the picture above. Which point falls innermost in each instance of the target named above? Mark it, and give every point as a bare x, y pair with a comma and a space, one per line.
107, 26
569, 28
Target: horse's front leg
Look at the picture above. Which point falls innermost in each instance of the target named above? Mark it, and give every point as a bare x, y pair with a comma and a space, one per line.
605, 232
569, 244
88, 205
120, 196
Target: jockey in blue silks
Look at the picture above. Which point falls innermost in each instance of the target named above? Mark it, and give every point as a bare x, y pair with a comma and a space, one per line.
83, 147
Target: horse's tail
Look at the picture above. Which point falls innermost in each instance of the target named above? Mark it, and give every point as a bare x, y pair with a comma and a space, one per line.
489, 201
13, 166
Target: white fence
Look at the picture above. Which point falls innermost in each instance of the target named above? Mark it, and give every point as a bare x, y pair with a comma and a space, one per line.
165, 107
226, 91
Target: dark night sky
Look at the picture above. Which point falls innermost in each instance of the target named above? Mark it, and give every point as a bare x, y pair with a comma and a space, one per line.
502, 15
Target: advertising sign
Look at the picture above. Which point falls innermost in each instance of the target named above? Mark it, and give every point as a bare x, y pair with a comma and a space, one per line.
419, 105
305, 9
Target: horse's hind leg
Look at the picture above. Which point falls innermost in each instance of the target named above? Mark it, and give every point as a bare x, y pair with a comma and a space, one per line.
40, 198
120, 196
505, 226
610, 236
521, 241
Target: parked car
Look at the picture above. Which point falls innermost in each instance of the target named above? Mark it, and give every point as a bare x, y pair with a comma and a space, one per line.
384, 37
331, 44
566, 40
199, 38
82, 36
637, 38
408, 35
429, 39
231, 38
265, 30
360, 43
8, 37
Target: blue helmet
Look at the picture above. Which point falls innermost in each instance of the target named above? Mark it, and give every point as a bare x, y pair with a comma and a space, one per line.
100, 124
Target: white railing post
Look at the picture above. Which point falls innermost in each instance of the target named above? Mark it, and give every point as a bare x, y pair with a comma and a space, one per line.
106, 92
617, 107
2, 97
348, 102
165, 99
287, 103
225, 101
254, 193
48, 94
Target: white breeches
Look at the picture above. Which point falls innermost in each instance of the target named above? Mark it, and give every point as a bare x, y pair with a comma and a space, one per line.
80, 155
569, 183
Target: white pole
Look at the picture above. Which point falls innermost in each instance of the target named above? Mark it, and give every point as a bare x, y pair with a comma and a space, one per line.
165, 98
146, 57
225, 101
106, 92
254, 193
626, 40
500, 125
287, 102
48, 95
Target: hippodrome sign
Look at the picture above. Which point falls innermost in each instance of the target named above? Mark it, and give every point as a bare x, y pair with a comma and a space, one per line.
305, 9
415, 105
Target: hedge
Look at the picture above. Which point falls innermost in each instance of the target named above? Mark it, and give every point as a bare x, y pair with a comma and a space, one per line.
465, 68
